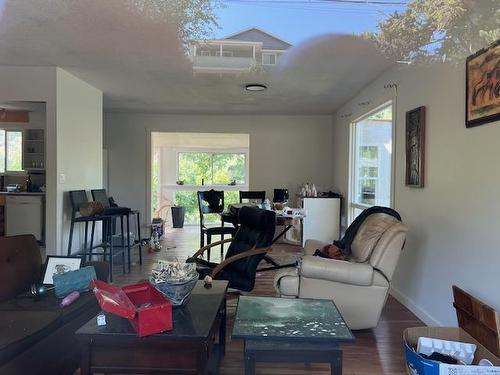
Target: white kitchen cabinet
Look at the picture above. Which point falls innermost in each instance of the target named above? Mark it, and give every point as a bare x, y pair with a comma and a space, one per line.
24, 215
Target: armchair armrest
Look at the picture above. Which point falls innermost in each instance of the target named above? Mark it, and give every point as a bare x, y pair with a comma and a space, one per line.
244, 254
312, 245
337, 270
205, 248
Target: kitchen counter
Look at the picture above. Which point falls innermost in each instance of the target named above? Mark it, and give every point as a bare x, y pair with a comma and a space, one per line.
21, 193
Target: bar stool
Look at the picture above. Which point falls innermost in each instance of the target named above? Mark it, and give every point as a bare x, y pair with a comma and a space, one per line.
100, 195
77, 198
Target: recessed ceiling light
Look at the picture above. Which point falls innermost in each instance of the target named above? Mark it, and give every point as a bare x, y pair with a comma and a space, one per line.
255, 87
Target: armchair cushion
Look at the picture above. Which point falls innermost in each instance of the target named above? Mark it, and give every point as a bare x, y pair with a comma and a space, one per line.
337, 270
368, 235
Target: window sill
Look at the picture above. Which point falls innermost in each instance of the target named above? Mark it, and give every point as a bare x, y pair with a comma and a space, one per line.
203, 187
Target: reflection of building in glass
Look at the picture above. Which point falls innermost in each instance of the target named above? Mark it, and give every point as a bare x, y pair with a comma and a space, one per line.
240, 52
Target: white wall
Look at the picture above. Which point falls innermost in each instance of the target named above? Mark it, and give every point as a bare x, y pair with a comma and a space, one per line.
38, 84
285, 151
79, 146
453, 221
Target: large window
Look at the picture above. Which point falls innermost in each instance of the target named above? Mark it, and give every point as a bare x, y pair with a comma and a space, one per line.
371, 161
205, 168
184, 163
11, 151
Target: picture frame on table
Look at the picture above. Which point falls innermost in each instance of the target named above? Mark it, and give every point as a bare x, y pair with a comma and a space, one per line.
59, 264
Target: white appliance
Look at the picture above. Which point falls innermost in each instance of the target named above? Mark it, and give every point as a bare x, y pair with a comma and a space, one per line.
24, 215
322, 221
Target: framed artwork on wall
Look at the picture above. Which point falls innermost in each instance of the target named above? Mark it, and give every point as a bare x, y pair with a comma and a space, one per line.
482, 86
415, 147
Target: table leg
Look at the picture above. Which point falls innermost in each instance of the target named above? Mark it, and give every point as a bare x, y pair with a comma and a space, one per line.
249, 364
336, 364
139, 237
203, 360
128, 244
110, 234
123, 244
222, 329
85, 360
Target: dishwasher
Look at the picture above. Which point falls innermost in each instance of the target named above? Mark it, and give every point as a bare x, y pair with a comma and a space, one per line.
24, 215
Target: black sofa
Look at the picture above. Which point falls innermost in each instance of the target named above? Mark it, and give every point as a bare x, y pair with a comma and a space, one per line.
37, 335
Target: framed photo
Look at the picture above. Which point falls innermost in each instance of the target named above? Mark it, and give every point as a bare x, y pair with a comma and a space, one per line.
482, 83
58, 265
415, 147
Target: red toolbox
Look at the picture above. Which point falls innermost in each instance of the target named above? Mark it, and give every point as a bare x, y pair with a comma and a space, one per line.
146, 308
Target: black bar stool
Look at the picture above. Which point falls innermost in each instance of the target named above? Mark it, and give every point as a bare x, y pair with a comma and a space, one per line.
100, 195
77, 198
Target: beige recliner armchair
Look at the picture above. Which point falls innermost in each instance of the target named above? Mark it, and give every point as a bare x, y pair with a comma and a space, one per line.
359, 286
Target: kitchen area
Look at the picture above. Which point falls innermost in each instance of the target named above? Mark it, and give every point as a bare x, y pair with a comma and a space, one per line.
22, 169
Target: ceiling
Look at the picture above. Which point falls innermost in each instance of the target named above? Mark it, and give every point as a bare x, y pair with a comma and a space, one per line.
139, 64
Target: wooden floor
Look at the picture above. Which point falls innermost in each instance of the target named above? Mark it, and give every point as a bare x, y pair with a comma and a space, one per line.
377, 351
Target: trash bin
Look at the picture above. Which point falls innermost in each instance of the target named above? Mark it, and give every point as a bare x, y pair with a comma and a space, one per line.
178, 213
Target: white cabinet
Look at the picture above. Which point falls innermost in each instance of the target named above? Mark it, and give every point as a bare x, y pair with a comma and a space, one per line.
322, 221
24, 215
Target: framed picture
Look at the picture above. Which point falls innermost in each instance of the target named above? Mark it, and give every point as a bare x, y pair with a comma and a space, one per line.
482, 84
415, 147
58, 265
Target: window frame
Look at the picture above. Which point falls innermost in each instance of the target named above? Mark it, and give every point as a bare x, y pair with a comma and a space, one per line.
270, 53
351, 204
244, 152
7, 171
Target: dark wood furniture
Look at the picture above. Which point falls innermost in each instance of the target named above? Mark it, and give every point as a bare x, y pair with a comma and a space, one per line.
290, 330
478, 319
212, 202
195, 345
253, 196
286, 352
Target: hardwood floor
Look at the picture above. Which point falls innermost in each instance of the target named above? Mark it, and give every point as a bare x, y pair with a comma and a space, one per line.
377, 351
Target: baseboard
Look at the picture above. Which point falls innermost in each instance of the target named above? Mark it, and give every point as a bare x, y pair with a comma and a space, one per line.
423, 315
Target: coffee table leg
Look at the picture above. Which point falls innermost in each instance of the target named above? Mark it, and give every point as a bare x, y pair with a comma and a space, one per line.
203, 359
249, 364
336, 364
222, 329
85, 361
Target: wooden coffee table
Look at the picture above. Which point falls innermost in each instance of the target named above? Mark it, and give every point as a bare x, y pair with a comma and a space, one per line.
195, 345
290, 330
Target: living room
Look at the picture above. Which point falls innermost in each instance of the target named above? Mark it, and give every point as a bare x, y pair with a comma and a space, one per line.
104, 99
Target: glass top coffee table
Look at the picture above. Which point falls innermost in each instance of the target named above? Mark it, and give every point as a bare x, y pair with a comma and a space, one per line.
290, 330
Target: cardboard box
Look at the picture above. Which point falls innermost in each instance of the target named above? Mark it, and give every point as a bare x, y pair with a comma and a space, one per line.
418, 365
148, 310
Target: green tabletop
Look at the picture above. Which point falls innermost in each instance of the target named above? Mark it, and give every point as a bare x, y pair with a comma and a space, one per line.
285, 318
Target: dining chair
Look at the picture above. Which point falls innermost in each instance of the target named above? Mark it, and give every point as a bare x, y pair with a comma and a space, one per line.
212, 202
253, 196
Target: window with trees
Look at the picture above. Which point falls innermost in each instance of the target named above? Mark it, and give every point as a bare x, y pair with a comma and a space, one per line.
206, 168
11, 151
371, 161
